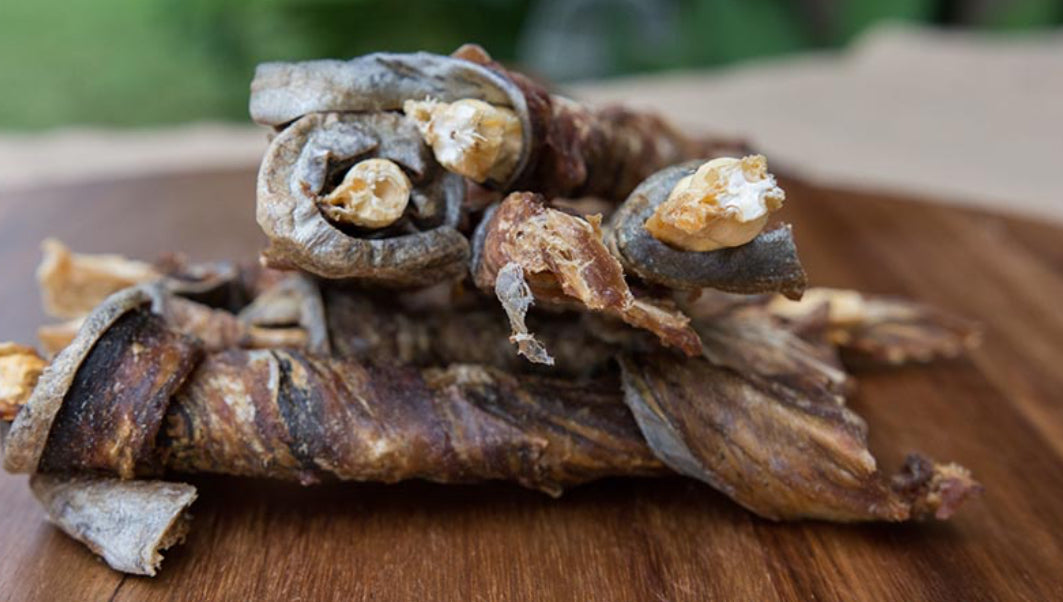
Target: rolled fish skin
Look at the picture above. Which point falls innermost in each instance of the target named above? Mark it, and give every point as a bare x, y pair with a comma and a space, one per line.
299, 167
567, 148
768, 263
283, 414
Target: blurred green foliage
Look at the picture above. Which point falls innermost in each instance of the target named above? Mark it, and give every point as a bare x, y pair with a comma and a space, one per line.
136, 62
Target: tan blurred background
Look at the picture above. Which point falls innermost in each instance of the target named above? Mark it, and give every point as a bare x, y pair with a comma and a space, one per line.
961, 100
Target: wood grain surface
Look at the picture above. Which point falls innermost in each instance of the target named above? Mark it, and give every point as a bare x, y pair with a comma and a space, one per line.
997, 411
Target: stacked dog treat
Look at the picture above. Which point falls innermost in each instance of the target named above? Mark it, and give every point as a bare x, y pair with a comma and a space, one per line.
436, 303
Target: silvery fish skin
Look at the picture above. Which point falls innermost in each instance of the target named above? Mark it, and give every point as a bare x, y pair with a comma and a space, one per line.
284, 92
422, 249
567, 148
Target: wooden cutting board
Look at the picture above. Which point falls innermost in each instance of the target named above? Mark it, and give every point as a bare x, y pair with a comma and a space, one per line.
998, 411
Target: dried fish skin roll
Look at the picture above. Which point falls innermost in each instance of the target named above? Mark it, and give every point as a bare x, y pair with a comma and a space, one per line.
99, 404
381, 81
564, 148
283, 414
768, 263
302, 164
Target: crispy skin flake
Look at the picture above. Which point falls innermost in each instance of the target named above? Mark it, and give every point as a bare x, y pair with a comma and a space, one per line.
72, 284
516, 297
564, 261
99, 512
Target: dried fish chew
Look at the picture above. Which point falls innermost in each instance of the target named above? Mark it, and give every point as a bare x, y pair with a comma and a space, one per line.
281, 93
802, 457
287, 415
562, 260
359, 196
767, 263
489, 124
370, 328
290, 415
776, 436
24, 444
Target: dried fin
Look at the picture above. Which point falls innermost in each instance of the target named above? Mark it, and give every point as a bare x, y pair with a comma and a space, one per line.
127, 523
565, 262
768, 263
294, 301
881, 329
779, 458
513, 292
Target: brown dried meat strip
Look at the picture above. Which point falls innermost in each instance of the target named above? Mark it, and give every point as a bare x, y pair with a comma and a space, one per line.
768, 263
116, 402
782, 459
283, 414
371, 328
564, 261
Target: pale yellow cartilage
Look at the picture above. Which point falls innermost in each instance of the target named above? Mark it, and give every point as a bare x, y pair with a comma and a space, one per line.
470, 137
20, 367
725, 203
373, 194
72, 284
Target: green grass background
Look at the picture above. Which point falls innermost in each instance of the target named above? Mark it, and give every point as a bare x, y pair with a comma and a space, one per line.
139, 62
